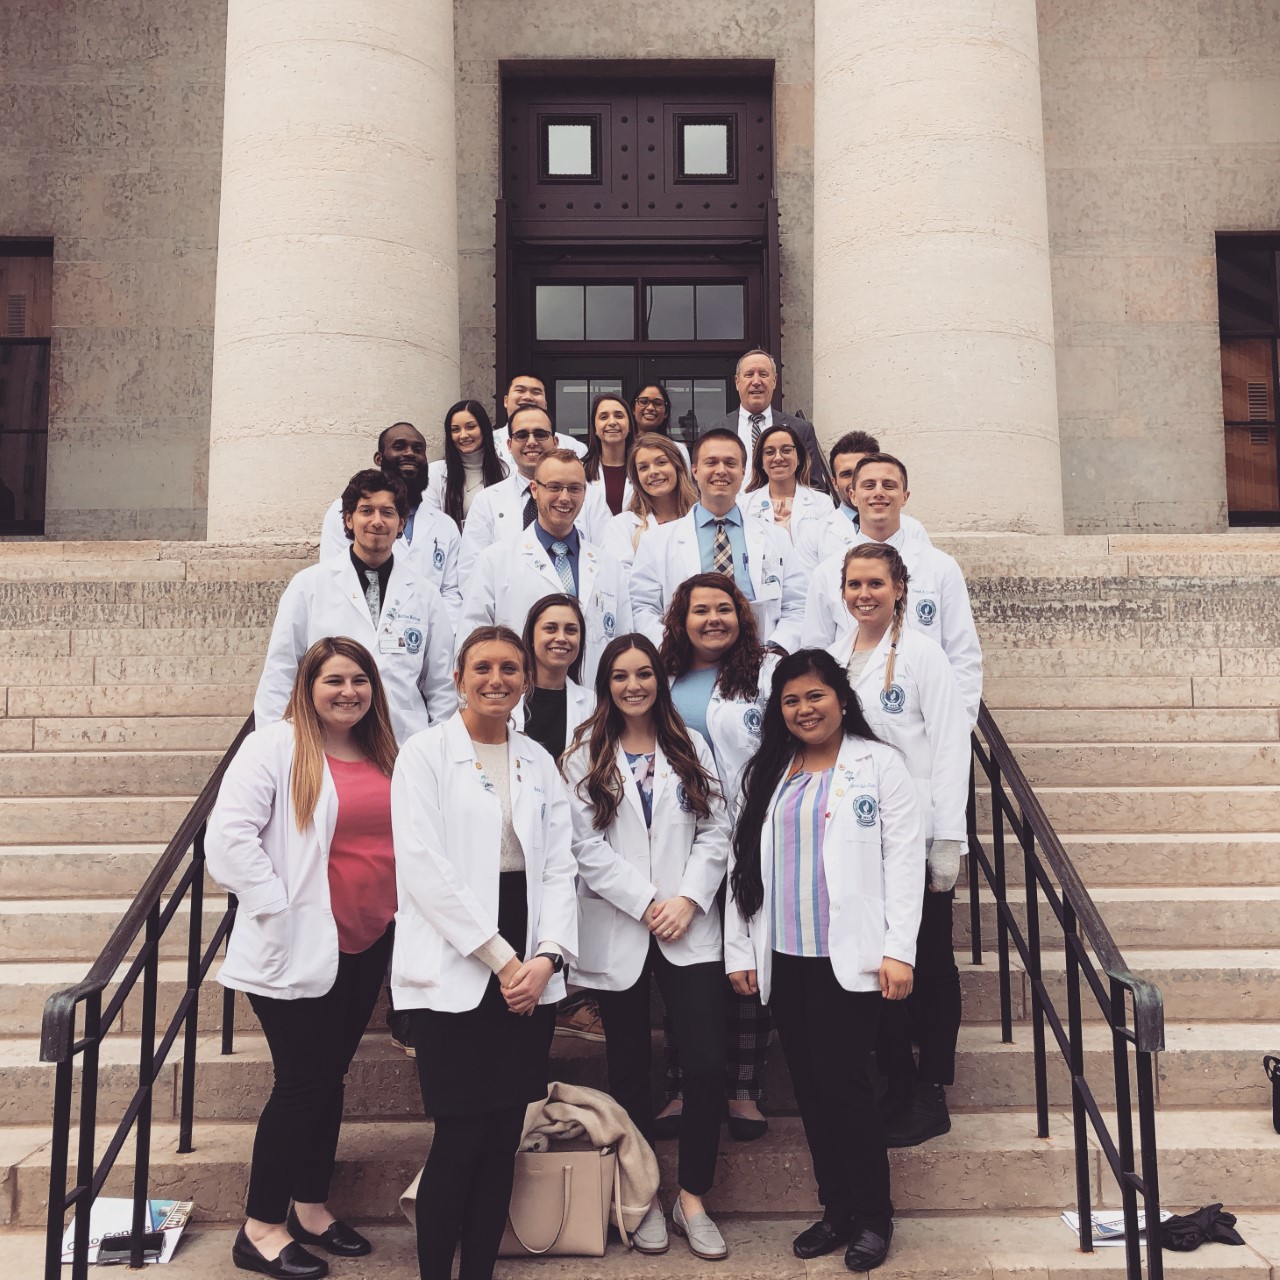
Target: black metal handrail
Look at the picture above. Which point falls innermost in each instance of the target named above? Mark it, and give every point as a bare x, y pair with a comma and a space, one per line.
1090, 952
151, 912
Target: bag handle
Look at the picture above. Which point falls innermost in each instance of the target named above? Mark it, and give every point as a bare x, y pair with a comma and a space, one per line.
617, 1201
1272, 1067
564, 1217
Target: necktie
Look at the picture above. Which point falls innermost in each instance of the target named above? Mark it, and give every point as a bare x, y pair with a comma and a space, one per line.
561, 552
722, 552
530, 510
373, 595
757, 424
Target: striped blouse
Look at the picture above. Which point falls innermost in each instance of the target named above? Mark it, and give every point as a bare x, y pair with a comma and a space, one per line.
801, 909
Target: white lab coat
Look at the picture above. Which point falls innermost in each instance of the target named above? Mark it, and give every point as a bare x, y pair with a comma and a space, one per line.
509, 578
670, 554
733, 725
437, 475
433, 553
620, 537
625, 867
627, 492
498, 513
874, 863
835, 532
937, 606
580, 702
448, 830
285, 941
922, 715
807, 507
412, 645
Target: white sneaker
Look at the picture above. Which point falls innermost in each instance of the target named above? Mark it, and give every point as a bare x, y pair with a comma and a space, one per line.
651, 1235
702, 1234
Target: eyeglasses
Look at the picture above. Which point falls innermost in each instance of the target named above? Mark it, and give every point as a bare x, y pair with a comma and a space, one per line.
780, 451
643, 402
539, 433
555, 488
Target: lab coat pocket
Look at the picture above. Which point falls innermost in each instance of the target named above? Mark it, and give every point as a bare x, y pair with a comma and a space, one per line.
259, 950
416, 954
597, 921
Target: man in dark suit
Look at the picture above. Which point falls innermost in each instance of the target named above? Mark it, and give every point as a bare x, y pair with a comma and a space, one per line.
756, 378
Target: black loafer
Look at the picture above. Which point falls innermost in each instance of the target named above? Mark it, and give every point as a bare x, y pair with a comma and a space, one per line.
821, 1238
294, 1262
339, 1239
745, 1129
868, 1250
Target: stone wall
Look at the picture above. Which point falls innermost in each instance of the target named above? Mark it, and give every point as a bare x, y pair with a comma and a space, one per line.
1162, 126
488, 30
110, 142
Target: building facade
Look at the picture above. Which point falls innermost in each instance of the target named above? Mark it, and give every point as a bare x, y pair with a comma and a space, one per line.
1026, 243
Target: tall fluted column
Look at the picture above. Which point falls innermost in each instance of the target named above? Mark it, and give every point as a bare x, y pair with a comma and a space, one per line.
933, 320
337, 295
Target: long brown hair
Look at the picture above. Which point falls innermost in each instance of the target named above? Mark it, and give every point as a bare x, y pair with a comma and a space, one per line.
593, 460
899, 576
759, 478
739, 671
372, 732
686, 493
603, 785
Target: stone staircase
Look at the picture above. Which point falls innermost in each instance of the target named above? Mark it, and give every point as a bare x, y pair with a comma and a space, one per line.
1138, 680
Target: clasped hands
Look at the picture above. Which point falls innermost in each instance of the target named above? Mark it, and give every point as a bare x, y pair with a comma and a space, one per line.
523, 982
668, 920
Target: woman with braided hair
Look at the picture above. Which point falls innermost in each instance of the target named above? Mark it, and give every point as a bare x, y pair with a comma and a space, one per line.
911, 699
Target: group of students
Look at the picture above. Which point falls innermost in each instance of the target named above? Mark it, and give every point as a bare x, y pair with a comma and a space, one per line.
613, 722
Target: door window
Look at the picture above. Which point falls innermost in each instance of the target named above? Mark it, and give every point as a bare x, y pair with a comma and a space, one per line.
573, 398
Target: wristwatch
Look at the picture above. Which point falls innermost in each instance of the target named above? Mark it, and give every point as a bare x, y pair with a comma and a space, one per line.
557, 960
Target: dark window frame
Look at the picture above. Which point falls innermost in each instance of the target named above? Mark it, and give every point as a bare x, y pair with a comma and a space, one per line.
730, 120
545, 121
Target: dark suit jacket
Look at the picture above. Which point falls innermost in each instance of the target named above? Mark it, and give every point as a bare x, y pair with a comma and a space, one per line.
819, 472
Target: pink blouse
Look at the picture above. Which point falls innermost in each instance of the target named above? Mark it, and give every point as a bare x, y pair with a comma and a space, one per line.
362, 868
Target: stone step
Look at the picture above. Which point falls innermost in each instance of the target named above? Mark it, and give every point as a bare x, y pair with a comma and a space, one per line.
1136, 764
1168, 859
91, 774
1159, 916
107, 820
131, 700
1086, 692
75, 929
179, 668
121, 642
25, 985
134, 733
1115, 663
1174, 725
75, 870
1216, 1064
961, 1247
1152, 809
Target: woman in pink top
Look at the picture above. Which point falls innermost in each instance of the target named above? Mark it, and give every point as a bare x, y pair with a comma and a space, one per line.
301, 833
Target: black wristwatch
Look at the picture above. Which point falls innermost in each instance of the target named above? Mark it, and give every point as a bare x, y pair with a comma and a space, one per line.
557, 960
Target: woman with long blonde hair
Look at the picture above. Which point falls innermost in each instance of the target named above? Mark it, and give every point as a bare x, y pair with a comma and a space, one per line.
662, 490
301, 834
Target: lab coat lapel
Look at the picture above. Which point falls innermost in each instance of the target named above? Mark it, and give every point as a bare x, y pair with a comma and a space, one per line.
347, 581
661, 776
538, 557
753, 532
630, 790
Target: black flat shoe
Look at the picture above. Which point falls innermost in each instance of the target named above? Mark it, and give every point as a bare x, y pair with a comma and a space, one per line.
868, 1250
745, 1129
667, 1126
339, 1239
821, 1238
294, 1262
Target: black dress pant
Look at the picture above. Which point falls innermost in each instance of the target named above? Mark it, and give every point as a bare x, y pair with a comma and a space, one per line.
694, 999
312, 1042
827, 1035
930, 1015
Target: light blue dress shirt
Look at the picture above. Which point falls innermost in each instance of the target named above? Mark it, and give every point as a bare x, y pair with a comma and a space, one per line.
705, 524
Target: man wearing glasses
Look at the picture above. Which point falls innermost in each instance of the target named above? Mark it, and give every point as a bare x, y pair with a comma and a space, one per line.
550, 555
505, 508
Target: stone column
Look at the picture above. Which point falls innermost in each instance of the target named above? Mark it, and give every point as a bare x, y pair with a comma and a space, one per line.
933, 320
337, 295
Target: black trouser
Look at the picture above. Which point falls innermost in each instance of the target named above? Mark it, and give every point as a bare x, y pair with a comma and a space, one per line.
930, 1015
746, 1049
827, 1035
465, 1191
694, 999
312, 1042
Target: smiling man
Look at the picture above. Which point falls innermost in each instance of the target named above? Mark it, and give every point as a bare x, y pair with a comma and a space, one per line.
430, 541
551, 555
367, 593
716, 537
756, 380
527, 391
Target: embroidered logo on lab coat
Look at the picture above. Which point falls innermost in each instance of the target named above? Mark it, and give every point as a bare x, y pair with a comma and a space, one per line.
610, 625
752, 718
413, 640
893, 699
437, 558
682, 798
865, 809
926, 611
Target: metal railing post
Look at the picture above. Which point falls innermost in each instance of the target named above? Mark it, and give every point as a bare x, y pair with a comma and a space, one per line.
1075, 1032
191, 1030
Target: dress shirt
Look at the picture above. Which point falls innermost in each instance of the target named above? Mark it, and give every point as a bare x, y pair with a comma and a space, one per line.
383, 571
705, 523
744, 428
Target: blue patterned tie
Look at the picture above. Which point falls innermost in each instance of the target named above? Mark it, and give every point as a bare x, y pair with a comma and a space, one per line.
561, 552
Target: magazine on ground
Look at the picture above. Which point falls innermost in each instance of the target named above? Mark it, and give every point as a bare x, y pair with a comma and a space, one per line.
1108, 1228
113, 1216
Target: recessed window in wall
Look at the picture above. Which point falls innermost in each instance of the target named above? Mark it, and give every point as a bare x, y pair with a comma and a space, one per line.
590, 313
573, 398
694, 311
705, 148
569, 148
